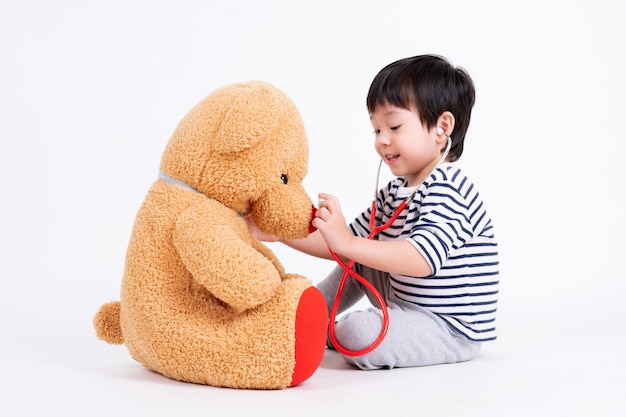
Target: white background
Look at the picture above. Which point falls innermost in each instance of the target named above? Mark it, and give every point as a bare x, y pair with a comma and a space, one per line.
90, 92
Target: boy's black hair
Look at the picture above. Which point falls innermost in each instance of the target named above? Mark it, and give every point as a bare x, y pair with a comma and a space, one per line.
431, 85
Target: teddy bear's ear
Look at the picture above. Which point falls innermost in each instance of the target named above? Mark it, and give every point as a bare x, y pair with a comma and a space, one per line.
250, 118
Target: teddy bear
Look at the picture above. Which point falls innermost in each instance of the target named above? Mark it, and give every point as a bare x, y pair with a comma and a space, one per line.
201, 299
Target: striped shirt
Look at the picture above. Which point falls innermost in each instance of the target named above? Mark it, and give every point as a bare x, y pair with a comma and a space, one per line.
447, 223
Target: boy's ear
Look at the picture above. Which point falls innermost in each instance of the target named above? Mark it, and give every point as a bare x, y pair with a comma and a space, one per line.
446, 122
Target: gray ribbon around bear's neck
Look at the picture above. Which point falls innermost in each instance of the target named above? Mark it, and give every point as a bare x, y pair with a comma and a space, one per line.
175, 181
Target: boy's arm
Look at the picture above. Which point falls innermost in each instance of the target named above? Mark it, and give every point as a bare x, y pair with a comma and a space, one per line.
314, 244
395, 257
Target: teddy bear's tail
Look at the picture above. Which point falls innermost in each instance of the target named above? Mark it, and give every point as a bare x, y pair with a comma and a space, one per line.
107, 323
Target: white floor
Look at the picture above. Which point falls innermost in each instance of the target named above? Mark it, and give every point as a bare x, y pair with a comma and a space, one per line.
534, 369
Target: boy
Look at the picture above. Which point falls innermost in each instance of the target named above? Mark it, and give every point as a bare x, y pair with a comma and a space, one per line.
436, 267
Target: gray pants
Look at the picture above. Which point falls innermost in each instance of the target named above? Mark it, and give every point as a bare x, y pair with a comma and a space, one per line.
416, 336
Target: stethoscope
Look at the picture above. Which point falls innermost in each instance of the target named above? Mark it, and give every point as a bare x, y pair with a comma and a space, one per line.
348, 271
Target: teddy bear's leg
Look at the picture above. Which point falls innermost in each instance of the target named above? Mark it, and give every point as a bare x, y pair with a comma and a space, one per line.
311, 328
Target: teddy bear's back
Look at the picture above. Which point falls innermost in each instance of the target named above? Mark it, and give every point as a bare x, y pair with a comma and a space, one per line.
158, 293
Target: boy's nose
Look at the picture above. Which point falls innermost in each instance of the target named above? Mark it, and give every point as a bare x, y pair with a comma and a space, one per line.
383, 139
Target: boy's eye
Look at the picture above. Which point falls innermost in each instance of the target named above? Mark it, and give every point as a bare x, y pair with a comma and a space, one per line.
395, 127
376, 132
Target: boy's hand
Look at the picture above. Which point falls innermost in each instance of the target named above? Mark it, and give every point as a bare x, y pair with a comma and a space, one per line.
330, 222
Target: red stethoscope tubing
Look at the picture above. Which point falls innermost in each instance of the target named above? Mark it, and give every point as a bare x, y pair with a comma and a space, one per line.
348, 271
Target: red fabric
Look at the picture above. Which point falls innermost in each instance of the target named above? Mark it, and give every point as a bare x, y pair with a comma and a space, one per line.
311, 227
311, 328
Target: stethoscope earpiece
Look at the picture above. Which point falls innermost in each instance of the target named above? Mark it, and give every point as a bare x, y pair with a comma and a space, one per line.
439, 131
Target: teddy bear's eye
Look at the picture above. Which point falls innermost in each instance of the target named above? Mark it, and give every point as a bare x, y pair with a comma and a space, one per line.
284, 178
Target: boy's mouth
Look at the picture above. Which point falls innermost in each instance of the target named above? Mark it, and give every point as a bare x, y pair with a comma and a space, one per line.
391, 158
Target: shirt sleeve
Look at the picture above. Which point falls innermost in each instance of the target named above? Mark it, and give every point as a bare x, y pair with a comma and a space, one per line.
443, 225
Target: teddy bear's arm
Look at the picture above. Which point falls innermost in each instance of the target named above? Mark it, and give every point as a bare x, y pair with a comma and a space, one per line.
212, 244
272, 257
265, 251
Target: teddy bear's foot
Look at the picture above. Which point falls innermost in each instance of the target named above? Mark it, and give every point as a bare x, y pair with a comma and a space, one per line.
311, 328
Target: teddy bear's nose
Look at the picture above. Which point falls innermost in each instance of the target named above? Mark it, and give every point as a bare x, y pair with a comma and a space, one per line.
311, 227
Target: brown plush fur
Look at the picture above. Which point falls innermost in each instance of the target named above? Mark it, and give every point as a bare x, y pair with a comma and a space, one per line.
202, 300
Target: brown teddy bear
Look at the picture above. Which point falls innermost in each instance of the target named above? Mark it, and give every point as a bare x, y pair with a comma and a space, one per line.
202, 300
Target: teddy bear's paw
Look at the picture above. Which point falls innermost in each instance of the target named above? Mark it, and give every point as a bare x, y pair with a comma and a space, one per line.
107, 323
311, 328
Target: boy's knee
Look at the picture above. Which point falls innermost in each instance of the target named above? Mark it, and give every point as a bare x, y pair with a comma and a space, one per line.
358, 330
